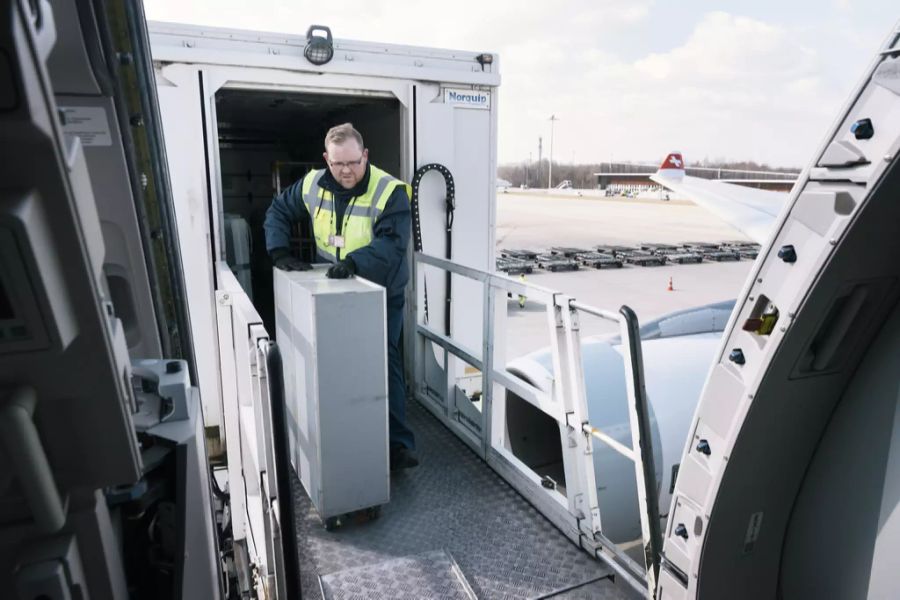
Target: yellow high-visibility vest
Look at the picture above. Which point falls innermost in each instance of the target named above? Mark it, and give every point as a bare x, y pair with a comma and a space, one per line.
358, 226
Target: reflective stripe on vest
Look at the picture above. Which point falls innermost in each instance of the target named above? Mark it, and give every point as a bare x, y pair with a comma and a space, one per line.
359, 217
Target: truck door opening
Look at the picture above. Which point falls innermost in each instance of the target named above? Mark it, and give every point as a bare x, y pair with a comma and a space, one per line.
268, 139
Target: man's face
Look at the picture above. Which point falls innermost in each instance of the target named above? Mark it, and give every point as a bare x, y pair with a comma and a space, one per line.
347, 162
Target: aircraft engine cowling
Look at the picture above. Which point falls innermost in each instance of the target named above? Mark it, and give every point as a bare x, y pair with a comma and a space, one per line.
675, 369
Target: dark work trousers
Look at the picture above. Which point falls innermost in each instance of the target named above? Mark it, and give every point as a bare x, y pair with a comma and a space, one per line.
400, 433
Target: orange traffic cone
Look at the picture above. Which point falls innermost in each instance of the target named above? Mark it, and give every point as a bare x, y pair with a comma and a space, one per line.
671, 288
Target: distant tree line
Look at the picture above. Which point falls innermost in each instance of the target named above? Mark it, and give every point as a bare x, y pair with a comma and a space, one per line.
743, 165
535, 174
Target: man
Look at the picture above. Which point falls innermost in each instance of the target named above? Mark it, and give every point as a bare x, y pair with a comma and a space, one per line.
361, 223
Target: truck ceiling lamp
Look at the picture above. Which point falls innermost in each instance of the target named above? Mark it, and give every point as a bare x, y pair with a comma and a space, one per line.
319, 48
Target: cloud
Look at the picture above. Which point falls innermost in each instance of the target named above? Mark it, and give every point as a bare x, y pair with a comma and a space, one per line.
735, 88
725, 49
470, 24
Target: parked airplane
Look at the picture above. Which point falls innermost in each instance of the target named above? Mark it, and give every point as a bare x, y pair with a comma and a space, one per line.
750, 210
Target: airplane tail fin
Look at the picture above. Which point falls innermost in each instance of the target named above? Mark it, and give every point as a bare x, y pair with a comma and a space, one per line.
672, 167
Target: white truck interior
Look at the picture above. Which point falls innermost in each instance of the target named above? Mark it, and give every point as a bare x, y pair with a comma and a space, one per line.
269, 139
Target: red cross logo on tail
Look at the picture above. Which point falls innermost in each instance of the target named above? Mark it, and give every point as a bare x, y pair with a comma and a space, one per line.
672, 168
673, 161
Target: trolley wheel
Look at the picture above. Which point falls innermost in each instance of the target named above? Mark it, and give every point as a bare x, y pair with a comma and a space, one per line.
365, 515
332, 523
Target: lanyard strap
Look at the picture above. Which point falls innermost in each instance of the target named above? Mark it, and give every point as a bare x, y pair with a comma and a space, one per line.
347, 212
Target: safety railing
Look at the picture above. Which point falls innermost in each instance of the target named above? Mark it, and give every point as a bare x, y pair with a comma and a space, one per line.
641, 451
566, 403
252, 437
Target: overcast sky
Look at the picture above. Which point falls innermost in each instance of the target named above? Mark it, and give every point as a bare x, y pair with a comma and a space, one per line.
627, 79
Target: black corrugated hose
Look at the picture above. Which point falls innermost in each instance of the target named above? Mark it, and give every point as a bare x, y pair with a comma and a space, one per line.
417, 228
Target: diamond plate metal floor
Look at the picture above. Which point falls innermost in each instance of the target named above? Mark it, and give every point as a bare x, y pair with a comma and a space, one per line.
432, 575
452, 502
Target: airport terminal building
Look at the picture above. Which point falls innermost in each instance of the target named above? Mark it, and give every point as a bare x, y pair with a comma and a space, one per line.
620, 177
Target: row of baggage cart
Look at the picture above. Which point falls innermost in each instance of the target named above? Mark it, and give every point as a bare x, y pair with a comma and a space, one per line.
563, 258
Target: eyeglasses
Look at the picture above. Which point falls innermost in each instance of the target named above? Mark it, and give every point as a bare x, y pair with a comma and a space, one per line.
349, 164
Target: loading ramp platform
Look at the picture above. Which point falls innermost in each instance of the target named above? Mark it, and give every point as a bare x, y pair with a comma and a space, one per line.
453, 529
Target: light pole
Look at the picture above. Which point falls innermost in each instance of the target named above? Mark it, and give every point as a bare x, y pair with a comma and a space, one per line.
540, 166
553, 120
527, 168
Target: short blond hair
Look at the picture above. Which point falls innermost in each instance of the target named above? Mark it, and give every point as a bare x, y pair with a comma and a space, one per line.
341, 133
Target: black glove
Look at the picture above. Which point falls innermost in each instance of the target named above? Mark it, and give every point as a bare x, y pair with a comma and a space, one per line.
282, 259
342, 270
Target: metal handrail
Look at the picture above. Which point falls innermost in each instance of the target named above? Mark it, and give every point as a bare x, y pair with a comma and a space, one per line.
458, 350
568, 347
573, 380
642, 441
287, 518
606, 439
597, 312
254, 379
491, 281
641, 452
536, 292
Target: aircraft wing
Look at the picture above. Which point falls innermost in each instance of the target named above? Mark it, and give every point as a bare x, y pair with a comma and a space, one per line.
750, 210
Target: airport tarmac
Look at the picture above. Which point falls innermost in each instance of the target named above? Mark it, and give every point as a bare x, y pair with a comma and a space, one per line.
540, 222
